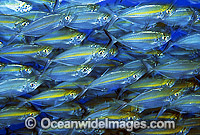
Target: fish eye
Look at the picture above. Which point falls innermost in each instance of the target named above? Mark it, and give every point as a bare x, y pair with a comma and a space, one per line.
79, 36
1, 44
85, 69
169, 11
32, 84
134, 76
102, 51
105, 18
28, 70
176, 94
24, 23
45, 51
112, 52
165, 37
67, 18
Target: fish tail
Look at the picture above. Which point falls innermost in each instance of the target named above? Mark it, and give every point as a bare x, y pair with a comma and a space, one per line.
162, 110
39, 130
111, 22
48, 63
121, 107
23, 102
12, 38
108, 9
47, 7
56, 5
80, 95
148, 66
169, 44
189, 26
197, 79
113, 15
173, 4
112, 41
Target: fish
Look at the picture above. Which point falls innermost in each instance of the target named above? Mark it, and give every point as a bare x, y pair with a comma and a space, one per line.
182, 53
189, 122
196, 24
33, 15
151, 83
164, 116
180, 69
44, 5
12, 22
155, 98
44, 25
63, 38
8, 101
118, 78
68, 73
142, 101
87, 2
128, 26
18, 86
180, 16
16, 70
186, 104
125, 56
85, 54
194, 1
78, 8
146, 14
6, 34
14, 7
69, 109
115, 31
108, 113
90, 20
14, 114
63, 131
96, 103
51, 97
85, 81
19, 51
189, 42
144, 40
